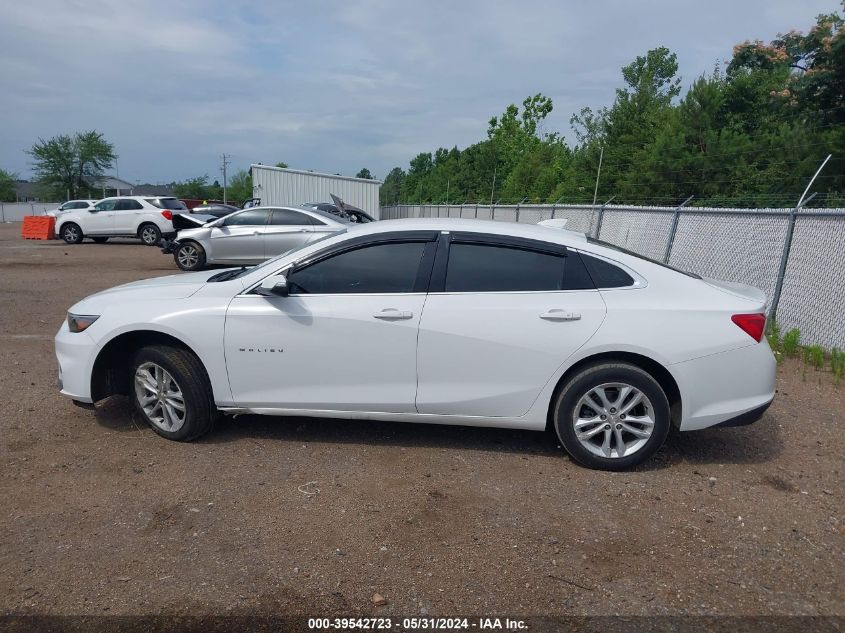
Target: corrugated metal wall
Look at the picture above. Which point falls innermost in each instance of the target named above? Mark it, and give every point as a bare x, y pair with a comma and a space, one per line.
291, 187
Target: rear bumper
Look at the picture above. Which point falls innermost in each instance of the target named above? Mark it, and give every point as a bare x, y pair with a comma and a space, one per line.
726, 389
744, 419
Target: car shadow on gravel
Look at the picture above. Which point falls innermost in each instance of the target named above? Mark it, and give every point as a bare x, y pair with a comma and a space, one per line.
754, 444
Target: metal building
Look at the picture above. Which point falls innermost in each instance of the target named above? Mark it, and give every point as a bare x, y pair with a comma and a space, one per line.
275, 185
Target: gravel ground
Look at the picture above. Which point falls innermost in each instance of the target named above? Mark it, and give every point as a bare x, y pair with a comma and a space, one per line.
292, 516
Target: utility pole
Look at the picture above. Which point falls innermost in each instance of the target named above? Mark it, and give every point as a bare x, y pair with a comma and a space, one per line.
226, 162
598, 174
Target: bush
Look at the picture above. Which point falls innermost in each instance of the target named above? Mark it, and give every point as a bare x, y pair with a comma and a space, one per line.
814, 355
837, 363
791, 341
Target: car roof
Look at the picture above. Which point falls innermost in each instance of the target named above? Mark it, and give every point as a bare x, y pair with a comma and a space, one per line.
528, 231
315, 213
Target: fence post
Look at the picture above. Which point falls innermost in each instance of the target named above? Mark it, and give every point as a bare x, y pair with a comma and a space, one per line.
476, 210
784, 258
671, 239
3, 211
517, 207
601, 217
554, 206
492, 210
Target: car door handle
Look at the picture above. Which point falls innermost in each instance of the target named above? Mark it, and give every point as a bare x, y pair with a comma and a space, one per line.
556, 314
257, 233
392, 314
303, 230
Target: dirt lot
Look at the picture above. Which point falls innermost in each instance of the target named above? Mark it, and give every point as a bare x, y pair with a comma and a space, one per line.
273, 515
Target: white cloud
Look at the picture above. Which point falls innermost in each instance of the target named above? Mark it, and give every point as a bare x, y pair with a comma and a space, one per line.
332, 86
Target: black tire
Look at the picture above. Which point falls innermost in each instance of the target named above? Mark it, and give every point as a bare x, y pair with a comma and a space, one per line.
71, 233
191, 381
189, 256
100, 240
591, 377
149, 234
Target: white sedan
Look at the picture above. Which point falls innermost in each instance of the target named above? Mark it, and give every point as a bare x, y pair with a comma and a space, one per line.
435, 320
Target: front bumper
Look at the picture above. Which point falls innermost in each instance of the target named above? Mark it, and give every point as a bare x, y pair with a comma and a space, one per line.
168, 247
76, 353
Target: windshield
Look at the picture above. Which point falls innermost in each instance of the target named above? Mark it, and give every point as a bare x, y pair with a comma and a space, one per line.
592, 240
173, 204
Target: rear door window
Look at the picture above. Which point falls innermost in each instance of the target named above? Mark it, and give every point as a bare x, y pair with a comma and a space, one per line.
501, 268
606, 275
288, 217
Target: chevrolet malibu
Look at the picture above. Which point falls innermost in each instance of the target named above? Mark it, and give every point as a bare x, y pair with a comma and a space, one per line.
435, 320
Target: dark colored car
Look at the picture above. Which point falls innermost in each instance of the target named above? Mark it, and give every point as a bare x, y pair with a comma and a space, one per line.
217, 209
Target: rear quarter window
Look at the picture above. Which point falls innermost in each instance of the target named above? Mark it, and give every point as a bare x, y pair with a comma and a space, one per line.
606, 275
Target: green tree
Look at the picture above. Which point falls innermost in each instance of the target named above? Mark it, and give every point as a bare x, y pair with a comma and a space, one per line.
193, 188
391, 191
70, 165
364, 173
240, 187
7, 186
282, 165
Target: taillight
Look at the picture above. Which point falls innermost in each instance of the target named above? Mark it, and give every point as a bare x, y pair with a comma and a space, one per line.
752, 324
168, 215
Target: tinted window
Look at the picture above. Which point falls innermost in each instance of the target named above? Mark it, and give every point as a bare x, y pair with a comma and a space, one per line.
489, 268
286, 217
106, 205
247, 218
605, 274
128, 205
379, 268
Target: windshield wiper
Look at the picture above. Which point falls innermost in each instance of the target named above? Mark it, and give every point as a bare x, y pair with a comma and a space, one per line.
226, 275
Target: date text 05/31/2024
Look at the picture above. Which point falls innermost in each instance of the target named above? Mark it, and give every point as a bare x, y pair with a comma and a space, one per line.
430, 624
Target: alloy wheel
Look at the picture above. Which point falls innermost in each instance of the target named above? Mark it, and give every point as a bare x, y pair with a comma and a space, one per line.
613, 420
71, 234
149, 235
160, 397
188, 256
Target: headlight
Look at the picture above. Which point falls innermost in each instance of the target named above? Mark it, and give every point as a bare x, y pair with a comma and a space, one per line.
80, 322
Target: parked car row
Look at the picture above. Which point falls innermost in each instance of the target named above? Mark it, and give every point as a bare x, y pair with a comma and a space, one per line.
214, 233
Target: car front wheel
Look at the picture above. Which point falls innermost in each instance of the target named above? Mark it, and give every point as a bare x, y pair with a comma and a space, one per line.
611, 416
149, 234
190, 256
172, 392
71, 233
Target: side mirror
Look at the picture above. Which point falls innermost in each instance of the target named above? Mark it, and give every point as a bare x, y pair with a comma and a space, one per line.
275, 286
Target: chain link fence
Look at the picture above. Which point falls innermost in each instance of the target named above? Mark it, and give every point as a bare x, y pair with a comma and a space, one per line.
742, 245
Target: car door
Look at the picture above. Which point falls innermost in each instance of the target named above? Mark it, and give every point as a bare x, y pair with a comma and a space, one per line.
126, 216
345, 339
501, 317
240, 237
288, 229
99, 219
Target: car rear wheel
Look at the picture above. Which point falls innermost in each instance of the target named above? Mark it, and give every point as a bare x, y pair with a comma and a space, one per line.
190, 256
611, 416
149, 234
172, 392
100, 240
71, 233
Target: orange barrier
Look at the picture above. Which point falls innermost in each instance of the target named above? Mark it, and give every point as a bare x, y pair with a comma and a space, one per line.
38, 227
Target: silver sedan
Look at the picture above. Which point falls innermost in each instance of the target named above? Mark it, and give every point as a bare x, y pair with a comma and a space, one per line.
252, 236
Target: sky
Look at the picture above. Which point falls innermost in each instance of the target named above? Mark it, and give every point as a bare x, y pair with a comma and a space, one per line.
333, 86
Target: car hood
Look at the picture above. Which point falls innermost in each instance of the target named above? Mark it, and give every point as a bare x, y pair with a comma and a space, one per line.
169, 287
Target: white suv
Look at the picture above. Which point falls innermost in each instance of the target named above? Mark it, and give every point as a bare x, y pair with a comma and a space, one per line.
147, 218
70, 205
